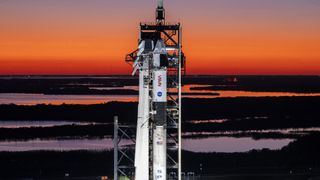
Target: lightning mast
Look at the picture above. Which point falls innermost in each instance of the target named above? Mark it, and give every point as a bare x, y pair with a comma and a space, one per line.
160, 62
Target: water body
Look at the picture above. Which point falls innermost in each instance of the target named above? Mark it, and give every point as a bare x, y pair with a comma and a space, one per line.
231, 144
231, 94
59, 144
33, 99
287, 131
29, 124
136, 88
213, 121
221, 143
212, 144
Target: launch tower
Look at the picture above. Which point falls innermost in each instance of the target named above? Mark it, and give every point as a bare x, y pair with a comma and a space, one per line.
160, 63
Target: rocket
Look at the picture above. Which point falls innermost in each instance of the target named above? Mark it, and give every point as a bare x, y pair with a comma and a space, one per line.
159, 99
151, 136
152, 65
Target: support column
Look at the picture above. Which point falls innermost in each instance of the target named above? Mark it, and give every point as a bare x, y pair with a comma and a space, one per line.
115, 150
179, 96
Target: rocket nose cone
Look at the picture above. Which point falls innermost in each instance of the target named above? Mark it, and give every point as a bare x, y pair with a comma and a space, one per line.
160, 47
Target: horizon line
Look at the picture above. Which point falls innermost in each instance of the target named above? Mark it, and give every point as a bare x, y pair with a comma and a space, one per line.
97, 75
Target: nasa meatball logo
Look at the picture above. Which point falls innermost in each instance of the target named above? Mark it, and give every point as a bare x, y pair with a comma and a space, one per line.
159, 94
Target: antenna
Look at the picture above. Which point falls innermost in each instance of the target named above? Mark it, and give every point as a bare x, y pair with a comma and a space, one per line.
160, 13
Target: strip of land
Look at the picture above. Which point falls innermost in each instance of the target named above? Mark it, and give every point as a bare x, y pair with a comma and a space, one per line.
299, 159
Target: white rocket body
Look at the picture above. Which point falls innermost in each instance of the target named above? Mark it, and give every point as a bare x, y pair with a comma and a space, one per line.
160, 86
160, 153
142, 135
151, 65
160, 116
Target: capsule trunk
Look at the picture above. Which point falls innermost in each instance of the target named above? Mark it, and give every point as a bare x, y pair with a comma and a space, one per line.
159, 153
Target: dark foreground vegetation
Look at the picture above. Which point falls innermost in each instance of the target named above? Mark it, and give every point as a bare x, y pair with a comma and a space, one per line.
193, 109
297, 84
246, 113
64, 85
299, 159
106, 131
84, 85
66, 131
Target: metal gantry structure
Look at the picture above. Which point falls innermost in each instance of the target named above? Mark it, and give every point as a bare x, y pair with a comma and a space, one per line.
123, 159
170, 36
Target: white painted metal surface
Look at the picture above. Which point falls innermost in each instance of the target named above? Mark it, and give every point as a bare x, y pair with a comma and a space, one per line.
160, 153
142, 134
160, 86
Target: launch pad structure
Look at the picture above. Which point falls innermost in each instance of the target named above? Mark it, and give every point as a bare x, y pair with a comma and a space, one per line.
160, 63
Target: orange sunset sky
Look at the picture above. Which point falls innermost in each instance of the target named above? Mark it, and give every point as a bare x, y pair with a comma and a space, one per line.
219, 36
